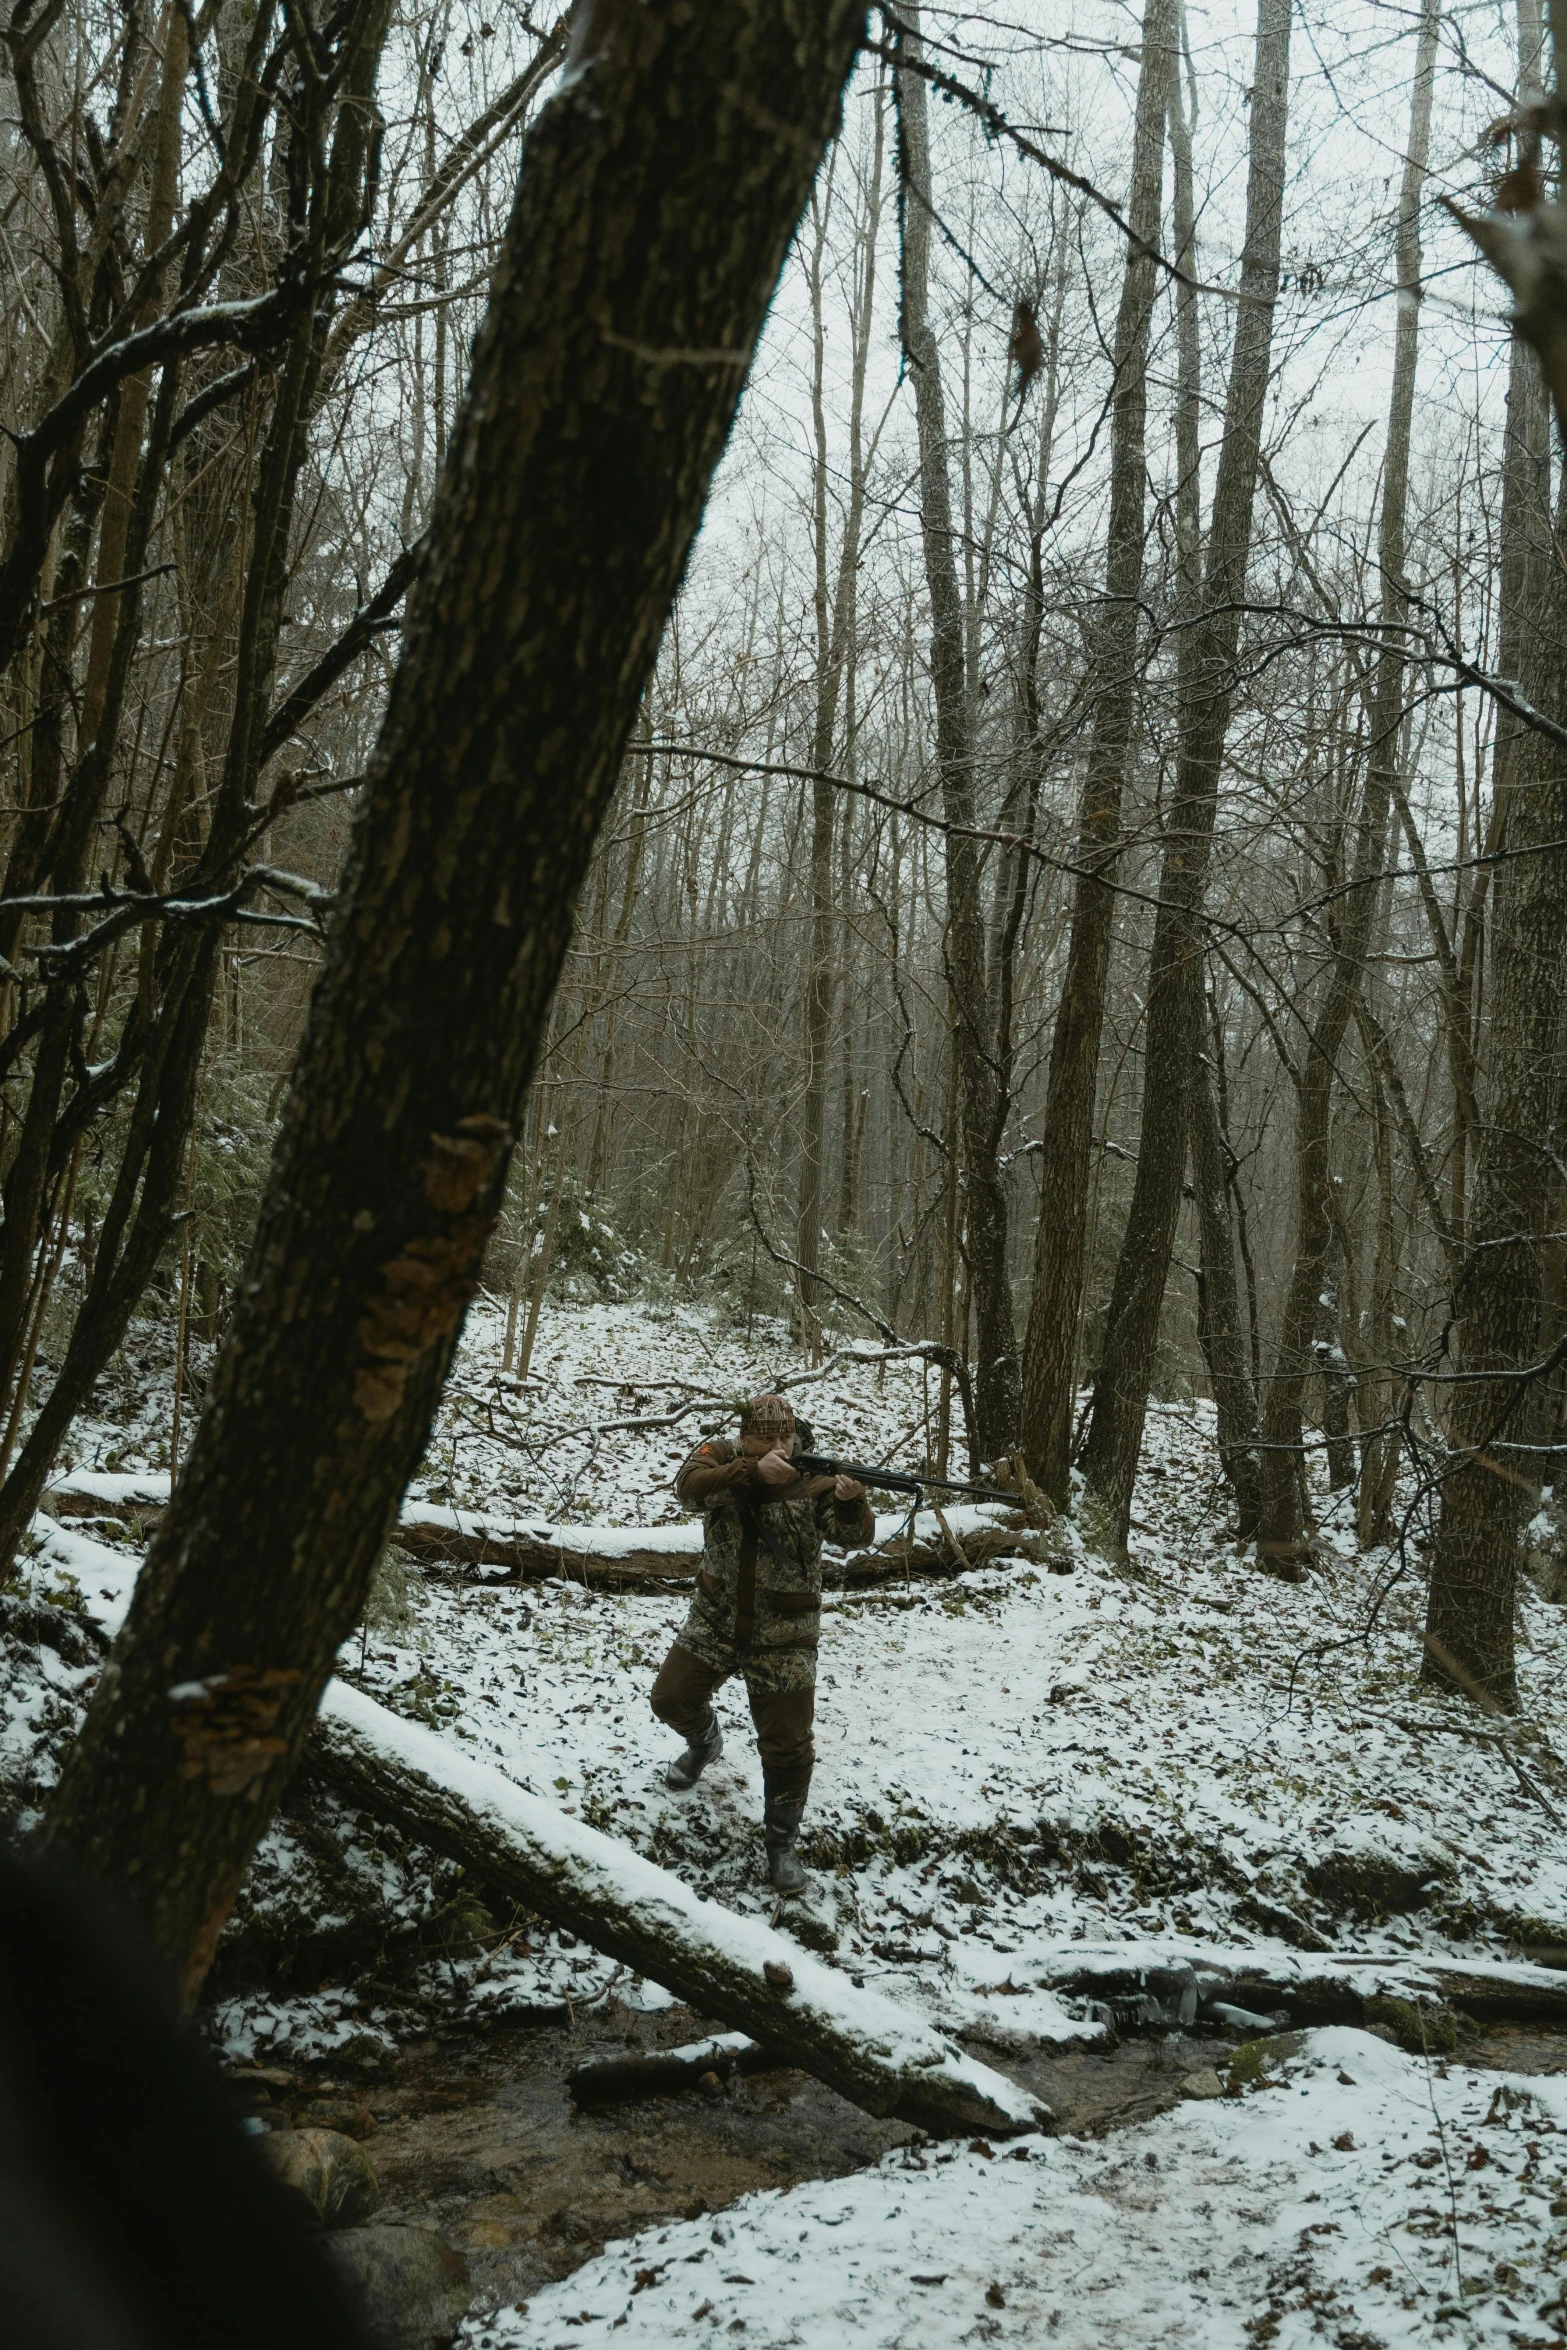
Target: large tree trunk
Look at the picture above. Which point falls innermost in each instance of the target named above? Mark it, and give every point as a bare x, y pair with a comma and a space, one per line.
730, 1967
659, 192
981, 1096
1281, 1538
824, 810
1207, 691
1055, 1305
1490, 1489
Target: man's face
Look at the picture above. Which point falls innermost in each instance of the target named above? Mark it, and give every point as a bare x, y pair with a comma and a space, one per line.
756, 1441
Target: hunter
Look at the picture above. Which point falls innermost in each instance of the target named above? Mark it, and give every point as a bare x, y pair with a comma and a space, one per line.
757, 1611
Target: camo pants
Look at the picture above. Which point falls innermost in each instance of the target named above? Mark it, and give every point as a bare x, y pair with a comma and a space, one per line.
683, 1697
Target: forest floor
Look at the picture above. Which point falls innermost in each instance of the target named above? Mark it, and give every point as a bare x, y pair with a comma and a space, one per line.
1163, 1758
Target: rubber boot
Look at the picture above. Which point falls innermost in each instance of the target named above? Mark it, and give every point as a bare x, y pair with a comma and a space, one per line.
781, 1829
704, 1748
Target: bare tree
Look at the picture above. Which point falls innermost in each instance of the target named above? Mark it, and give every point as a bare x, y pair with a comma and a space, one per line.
660, 190
1050, 1349
834, 614
1209, 644
1281, 1532
163, 513
981, 1095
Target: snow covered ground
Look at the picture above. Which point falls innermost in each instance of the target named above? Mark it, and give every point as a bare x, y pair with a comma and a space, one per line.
1014, 1765
1009, 1762
1018, 1759
1354, 2195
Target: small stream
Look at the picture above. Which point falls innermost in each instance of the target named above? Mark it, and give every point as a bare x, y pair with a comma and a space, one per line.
473, 2134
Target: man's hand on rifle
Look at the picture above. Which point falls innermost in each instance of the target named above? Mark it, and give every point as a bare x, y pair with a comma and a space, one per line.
776, 1468
847, 1489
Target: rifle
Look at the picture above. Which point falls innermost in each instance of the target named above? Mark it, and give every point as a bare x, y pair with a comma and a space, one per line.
815, 1464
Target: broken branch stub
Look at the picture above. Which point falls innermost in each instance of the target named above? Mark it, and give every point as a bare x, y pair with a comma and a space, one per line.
734, 1968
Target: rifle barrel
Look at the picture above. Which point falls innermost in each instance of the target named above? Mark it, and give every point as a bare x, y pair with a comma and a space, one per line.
898, 1480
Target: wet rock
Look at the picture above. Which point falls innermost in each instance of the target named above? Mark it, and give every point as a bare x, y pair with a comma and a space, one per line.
365, 2054
412, 2290
338, 2113
1203, 2084
263, 2076
329, 2174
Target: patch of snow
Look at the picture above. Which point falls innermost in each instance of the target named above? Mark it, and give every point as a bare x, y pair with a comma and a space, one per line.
1357, 2195
116, 1489
307, 2030
105, 1577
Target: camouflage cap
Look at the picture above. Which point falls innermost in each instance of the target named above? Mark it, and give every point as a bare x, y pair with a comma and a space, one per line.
767, 1415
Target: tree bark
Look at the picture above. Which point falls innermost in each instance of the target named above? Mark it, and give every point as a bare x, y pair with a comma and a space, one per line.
726, 1966
1223, 1322
981, 1097
1489, 1489
1209, 648
1050, 1342
1228, 1333
659, 192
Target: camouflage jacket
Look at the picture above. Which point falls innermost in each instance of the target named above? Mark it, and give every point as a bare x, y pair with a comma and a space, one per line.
758, 1598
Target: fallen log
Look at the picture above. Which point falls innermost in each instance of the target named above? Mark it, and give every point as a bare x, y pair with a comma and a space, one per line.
660, 1558
758, 1982
1349, 1987
614, 1558
533, 1549
105, 1493
659, 2072
605, 1558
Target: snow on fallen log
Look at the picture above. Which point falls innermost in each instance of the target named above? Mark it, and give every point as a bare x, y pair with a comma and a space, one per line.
624, 1558
104, 1493
531, 1548
641, 1558
874, 2053
1156, 1985
655, 2072
615, 1557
